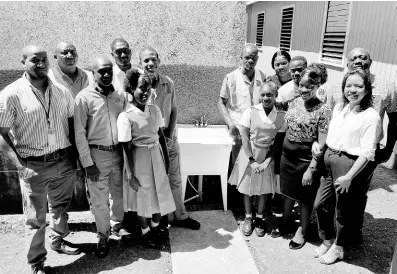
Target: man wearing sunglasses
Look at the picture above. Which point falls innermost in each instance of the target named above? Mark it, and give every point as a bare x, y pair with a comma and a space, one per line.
121, 53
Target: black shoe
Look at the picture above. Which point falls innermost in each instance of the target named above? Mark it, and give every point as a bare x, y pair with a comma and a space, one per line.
150, 239
102, 247
61, 246
38, 268
129, 239
294, 245
247, 227
159, 235
276, 232
259, 227
188, 223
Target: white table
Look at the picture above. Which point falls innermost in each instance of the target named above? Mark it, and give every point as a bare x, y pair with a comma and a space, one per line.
204, 151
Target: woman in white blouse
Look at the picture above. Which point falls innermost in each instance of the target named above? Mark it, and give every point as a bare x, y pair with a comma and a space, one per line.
352, 137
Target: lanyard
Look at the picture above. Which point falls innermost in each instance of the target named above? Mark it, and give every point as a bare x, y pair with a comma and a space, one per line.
47, 113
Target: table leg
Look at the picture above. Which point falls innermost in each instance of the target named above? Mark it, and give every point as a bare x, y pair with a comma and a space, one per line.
200, 188
224, 190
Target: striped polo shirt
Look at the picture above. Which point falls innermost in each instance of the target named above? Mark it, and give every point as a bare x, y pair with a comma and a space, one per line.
22, 112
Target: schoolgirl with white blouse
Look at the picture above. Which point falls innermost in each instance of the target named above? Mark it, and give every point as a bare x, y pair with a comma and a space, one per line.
353, 133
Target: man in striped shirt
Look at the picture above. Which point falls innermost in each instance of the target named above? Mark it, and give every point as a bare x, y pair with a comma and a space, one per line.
39, 114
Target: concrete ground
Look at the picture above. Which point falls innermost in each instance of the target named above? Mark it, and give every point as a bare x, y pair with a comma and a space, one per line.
269, 255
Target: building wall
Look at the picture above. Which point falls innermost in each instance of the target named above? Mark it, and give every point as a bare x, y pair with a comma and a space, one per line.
373, 25
198, 44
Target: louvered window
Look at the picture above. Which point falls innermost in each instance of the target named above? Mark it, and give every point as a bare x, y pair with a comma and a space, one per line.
259, 29
334, 38
286, 28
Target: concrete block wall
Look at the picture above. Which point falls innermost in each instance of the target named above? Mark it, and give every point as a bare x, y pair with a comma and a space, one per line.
198, 43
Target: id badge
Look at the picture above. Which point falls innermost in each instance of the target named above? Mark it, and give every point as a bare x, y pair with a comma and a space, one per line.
51, 137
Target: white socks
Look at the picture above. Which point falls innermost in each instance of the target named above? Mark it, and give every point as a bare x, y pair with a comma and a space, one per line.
260, 216
145, 230
153, 224
248, 215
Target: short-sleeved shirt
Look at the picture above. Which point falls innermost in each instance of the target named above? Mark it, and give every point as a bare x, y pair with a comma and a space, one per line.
290, 91
263, 128
241, 92
274, 79
84, 78
95, 119
140, 127
22, 110
305, 124
164, 97
356, 133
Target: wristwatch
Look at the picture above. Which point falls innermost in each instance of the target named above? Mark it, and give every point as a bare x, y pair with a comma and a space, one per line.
251, 160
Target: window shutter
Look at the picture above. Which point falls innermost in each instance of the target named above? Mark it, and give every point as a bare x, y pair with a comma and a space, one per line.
259, 29
335, 32
286, 28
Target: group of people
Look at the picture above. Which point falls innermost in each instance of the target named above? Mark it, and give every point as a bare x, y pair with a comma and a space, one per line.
294, 136
314, 143
117, 122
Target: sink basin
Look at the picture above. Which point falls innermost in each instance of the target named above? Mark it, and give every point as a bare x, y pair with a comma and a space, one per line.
204, 151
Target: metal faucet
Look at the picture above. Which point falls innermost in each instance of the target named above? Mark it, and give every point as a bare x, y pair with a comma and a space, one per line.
202, 122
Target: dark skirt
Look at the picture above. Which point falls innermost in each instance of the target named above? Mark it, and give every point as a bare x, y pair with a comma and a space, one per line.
295, 160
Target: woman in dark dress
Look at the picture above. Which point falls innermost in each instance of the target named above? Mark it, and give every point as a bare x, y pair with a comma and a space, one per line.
298, 168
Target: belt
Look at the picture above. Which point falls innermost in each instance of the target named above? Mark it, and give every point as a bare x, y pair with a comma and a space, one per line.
106, 148
261, 145
149, 146
300, 140
340, 152
47, 157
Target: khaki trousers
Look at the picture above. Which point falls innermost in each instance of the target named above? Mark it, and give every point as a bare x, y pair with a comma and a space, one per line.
54, 183
106, 194
174, 177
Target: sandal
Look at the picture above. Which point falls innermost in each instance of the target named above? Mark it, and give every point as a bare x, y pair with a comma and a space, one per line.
321, 250
332, 255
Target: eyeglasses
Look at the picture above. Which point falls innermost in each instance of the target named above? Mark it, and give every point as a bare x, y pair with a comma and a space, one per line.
121, 51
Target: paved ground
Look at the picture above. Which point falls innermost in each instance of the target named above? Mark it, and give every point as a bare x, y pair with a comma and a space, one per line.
270, 255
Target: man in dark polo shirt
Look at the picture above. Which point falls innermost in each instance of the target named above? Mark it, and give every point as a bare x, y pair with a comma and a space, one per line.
39, 114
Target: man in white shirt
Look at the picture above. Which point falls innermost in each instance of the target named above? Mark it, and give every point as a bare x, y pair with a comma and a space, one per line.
121, 53
385, 100
66, 72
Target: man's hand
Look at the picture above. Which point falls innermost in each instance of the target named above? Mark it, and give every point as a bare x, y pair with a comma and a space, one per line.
134, 183
93, 172
26, 173
167, 133
307, 178
343, 184
382, 155
233, 131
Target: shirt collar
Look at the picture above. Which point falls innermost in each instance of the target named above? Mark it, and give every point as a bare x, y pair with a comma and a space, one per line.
63, 75
25, 79
260, 108
98, 89
131, 108
245, 78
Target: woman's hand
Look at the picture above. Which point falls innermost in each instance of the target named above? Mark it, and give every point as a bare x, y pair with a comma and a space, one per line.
307, 178
256, 167
316, 149
265, 164
134, 183
343, 183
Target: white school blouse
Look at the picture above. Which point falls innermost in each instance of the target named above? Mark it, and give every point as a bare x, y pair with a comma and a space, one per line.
356, 133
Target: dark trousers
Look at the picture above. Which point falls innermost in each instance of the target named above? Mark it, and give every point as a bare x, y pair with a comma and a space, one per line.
349, 206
